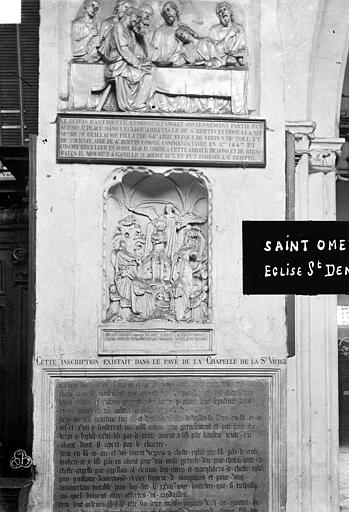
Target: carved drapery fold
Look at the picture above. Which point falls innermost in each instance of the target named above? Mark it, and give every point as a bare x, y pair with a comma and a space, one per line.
132, 60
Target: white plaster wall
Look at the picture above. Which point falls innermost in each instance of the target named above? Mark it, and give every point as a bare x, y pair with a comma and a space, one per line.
69, 222
303, 53
315, 94
315, 39
330, 54
69, 228
69, 259
298, 22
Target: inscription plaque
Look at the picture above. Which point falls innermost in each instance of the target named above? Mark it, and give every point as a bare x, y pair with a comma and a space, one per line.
135, 341
151, 139
170, 443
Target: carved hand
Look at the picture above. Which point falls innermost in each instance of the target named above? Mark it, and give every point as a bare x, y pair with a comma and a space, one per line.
146, 66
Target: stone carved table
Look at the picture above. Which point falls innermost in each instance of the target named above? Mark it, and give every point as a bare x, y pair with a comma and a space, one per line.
205, 82
87, 82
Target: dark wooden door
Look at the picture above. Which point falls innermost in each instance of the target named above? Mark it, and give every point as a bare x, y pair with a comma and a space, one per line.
14, 364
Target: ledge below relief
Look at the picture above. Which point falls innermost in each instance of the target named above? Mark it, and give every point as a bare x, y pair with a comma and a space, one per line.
156, 339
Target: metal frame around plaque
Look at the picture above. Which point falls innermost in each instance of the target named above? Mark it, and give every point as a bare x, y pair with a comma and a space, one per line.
214, 162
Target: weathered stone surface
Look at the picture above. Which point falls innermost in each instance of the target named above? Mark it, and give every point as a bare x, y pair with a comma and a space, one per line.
170, 444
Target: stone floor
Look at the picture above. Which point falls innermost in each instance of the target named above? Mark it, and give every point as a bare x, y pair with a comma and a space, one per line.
344, 478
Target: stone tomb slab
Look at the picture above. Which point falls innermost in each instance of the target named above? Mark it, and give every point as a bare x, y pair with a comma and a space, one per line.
146, 444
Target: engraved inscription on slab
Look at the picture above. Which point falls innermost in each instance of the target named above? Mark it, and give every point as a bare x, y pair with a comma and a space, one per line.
159, 56
152, 444
133, 341
159, 140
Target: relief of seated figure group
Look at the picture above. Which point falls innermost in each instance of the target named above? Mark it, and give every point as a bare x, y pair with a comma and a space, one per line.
158, 256
137, 43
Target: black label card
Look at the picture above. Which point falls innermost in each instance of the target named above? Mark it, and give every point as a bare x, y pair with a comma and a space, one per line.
297, 257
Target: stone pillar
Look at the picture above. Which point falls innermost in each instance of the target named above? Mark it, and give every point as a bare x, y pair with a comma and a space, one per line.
312, 373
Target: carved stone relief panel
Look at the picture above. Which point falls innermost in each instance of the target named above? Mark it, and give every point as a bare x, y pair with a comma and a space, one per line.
156, 247
170, 56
